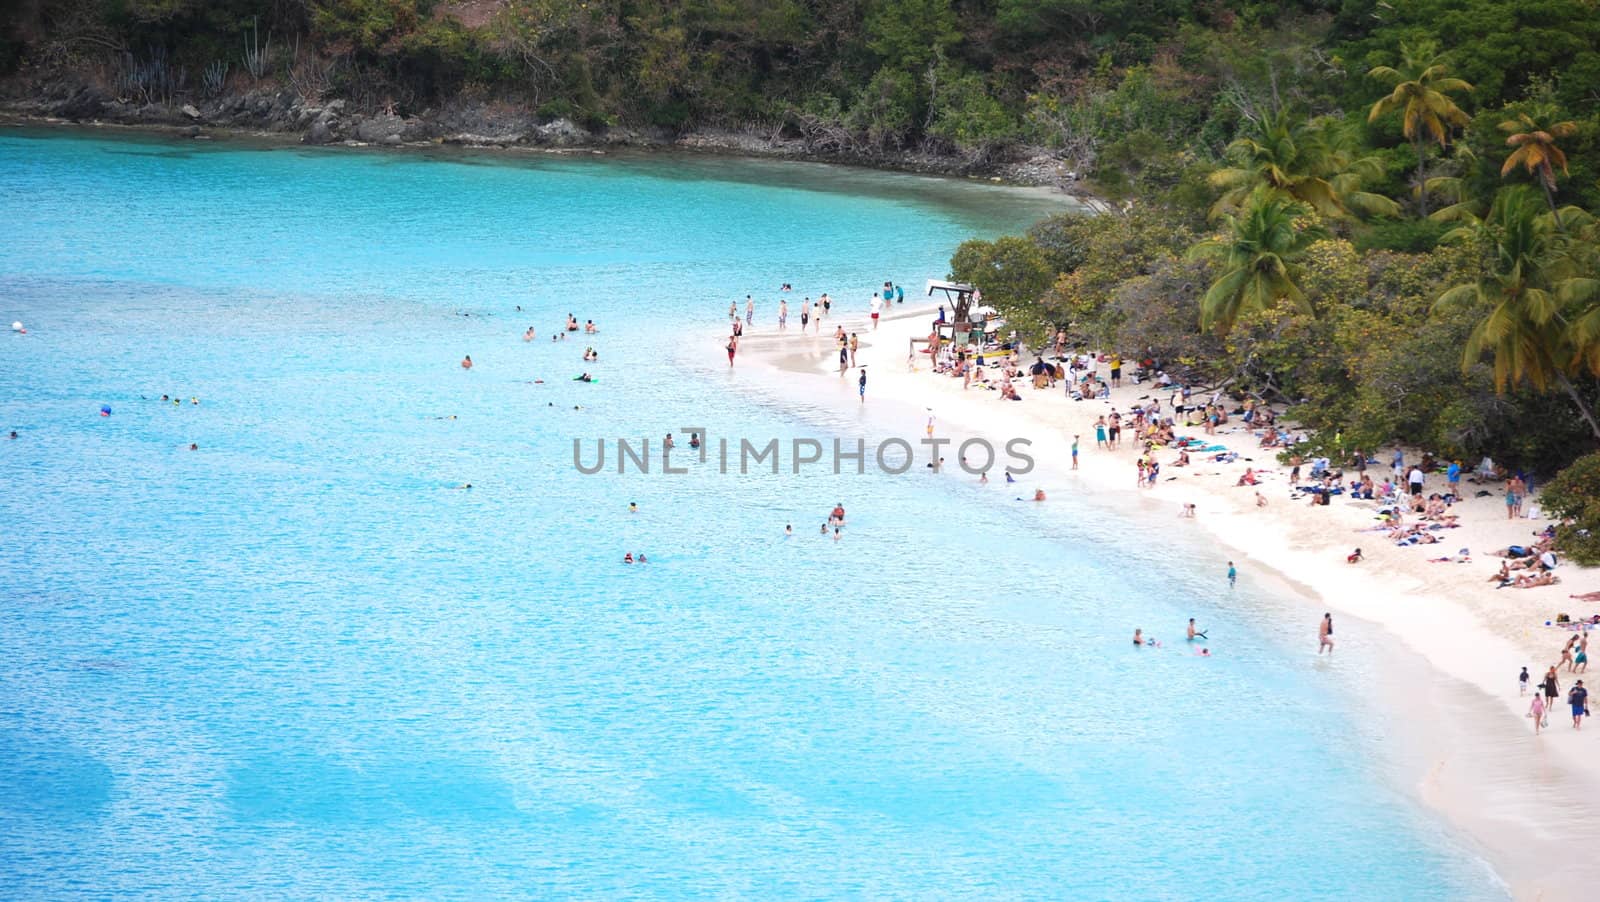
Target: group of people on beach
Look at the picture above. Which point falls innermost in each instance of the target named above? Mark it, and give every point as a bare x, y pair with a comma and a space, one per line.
811, 316
1549, 689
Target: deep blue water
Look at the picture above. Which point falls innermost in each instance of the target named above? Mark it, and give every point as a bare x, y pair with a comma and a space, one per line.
298, 662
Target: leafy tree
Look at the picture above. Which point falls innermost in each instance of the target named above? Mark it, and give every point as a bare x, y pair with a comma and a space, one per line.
1535, 150
1314, 163
1422, 89
1011, 272
1260, 253
1574, 497
907, 34
1530, 299
966, 112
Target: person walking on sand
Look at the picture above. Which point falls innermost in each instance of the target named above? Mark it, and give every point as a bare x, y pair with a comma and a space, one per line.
1074, 452
1580, 661
861, 385
1578, 698
1325, 635
1537, 712
1233, 574
1551, 685
1522, 682
1566, 653
877, 308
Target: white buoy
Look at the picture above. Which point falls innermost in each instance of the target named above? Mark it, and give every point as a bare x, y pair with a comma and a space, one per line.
17, 326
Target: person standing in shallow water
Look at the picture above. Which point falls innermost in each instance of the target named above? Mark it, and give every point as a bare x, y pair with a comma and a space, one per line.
861, 385
1325, 635
1233, 574
733, 348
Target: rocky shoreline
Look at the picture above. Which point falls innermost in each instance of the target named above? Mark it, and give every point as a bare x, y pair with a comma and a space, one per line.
280, 112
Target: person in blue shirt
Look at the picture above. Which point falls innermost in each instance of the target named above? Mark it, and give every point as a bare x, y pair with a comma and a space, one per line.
1453, 475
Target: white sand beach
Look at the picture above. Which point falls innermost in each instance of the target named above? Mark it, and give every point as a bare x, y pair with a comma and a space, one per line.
1513, 792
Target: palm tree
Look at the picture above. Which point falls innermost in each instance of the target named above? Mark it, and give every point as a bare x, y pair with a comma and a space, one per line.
1260, 255
1309, 161
1536, 151
1538, 323
1421, 92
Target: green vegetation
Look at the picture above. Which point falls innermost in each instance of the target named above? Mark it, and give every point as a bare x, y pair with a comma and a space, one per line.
1384, 219
1574, 496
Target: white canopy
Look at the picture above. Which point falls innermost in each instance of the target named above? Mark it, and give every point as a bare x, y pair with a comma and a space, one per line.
948, 287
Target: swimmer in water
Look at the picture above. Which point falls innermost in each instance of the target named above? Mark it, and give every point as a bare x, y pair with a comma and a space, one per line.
836, 533
983, 478
1138, 637
464, 485
528, 335
466, 362
633, 508
627, 558
642, 558
788, 530
694, 439
1204, 652
13, 434
1038, 494
192, 445
824, 529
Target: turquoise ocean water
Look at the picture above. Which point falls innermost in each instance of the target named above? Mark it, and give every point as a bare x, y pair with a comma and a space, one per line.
298, 663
